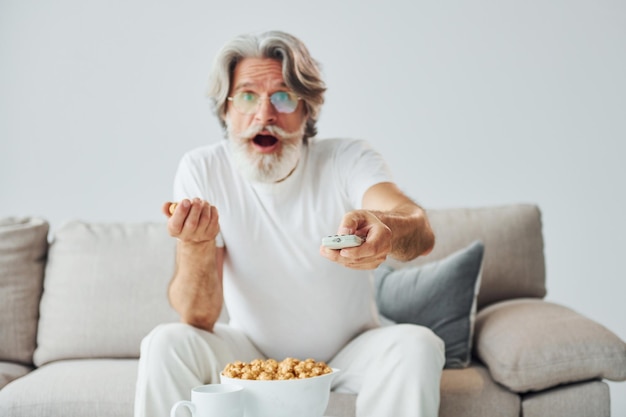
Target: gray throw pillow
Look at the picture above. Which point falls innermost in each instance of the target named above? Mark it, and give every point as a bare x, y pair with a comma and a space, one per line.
440, 295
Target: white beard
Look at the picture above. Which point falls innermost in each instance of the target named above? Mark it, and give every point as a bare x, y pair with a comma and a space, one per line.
266, 168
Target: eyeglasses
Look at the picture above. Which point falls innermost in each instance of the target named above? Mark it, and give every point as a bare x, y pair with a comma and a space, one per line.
248, 103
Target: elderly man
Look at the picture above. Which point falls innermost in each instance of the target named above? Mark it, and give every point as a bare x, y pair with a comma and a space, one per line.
252, 211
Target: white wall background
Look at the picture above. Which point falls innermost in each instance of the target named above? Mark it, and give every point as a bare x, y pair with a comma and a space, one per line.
472, 102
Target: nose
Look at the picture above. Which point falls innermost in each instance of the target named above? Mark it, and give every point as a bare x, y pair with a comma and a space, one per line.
265, 113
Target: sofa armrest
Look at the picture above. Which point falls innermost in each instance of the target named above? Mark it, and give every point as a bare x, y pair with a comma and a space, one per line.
532, 344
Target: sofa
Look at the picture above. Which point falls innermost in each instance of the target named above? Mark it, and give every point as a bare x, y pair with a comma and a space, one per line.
75, 303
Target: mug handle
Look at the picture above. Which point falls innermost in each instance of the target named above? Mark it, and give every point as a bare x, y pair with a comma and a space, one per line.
187, 404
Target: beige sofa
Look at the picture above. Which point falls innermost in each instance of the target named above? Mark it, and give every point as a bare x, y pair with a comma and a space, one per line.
72, 315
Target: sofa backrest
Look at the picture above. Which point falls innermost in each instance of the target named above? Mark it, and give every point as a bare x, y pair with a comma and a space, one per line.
105, 284
104, 290
513, 263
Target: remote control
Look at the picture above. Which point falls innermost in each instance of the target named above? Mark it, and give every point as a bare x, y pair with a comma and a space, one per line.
342, 241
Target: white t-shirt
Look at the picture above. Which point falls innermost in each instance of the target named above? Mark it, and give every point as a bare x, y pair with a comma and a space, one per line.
278, 289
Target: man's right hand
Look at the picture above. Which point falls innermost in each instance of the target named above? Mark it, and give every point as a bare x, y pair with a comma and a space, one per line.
193, 221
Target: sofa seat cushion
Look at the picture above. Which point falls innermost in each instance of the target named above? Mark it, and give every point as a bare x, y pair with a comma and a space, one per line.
23, 248
95, 387
76, 388
105, 289
10, 371
531, 345
591, 398
471, 392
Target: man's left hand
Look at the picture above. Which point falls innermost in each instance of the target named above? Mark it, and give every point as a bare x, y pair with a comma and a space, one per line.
372, 252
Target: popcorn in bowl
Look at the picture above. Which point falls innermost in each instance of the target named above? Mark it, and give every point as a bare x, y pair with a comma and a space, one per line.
270, 369
288, 388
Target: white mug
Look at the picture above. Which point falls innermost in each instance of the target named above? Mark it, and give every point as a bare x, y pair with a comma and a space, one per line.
213, 400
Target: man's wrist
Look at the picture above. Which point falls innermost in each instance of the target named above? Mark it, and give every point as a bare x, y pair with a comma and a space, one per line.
197, 246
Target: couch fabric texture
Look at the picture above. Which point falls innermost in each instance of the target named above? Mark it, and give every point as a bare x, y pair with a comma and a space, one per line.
23, 249
73, 313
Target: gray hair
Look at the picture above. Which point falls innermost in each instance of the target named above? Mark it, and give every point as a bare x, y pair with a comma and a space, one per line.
300, 71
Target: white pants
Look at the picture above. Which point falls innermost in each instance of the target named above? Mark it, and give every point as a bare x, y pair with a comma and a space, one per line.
395, 370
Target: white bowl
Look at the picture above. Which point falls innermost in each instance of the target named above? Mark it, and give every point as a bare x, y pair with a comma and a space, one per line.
307, 397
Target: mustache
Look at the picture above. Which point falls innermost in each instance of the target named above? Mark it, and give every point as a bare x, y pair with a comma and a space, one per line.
276, 131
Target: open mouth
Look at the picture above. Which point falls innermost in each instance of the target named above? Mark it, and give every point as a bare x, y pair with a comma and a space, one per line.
265, 141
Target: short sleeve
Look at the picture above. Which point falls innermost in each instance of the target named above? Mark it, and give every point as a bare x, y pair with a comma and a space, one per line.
190, 182
360, 167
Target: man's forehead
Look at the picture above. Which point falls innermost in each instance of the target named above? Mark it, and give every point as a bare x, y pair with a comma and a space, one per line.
258, 72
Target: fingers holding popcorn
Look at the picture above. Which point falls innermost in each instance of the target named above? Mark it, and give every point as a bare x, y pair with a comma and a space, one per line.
168, 208
192, 220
